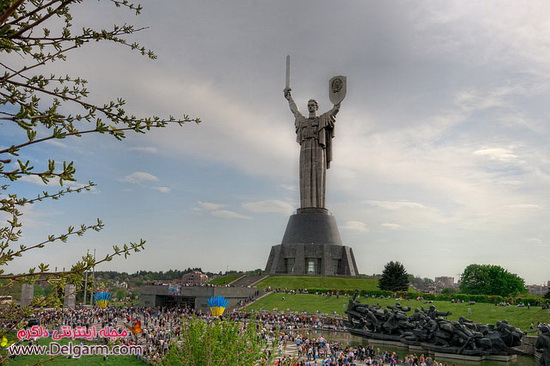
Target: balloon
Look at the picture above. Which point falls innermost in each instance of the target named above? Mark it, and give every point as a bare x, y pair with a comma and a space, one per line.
102, 299
217, 305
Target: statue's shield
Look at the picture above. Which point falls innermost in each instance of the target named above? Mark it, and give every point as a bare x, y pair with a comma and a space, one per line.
337, 89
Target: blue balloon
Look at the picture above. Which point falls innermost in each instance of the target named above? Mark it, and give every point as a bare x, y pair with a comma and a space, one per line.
217, 301
103, 295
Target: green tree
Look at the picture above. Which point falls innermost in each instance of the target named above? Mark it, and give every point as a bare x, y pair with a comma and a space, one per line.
220, 342
42, 106
394, 277
488, 279
449, 291
420, 284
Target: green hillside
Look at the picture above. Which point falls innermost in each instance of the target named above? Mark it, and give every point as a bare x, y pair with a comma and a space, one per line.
321, 283
521, 317
225, 279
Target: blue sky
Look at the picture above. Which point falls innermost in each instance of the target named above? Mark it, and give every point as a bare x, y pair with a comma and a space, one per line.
442, 147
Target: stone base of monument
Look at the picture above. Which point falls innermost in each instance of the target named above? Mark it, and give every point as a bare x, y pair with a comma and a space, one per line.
466, 358
311, 246
439, 352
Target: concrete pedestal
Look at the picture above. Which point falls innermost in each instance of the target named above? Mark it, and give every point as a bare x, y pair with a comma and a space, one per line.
311, 245
27, 294
69, 301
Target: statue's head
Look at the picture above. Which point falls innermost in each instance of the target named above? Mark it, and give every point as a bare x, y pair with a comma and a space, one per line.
312, 105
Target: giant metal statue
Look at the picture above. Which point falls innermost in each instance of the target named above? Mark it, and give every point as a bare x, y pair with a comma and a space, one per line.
311, 244
314, 134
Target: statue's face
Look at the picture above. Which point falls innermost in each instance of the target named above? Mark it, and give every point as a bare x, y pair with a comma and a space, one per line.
311, 106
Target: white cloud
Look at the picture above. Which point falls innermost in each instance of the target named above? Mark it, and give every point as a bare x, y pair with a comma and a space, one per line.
225, 214
149, 149
275, 206
54, 183
527, 206
396, 205
537, 241
57, 143
497, 153
355, 226
289, 187
140, 177
391, 226
162, 189
36, 180
209, 206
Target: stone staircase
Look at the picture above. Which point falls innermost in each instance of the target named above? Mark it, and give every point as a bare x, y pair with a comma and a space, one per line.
247, 280
250, 281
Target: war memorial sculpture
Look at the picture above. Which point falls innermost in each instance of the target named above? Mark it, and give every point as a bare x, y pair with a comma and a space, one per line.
430, 330
543, 346
311, 244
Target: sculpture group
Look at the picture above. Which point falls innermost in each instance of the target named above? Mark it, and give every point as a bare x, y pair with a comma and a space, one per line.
543, 346
429, 329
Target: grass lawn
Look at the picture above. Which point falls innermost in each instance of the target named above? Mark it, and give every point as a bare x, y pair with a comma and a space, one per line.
520, 317
224, 280
328, 283
82, 361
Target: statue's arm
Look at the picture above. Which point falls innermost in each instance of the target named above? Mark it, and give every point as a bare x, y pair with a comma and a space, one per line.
334, 111
329, 117
291, 103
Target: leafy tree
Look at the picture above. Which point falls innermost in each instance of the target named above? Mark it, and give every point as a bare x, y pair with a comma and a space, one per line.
488, 279
449, 291
220, 342
547, 295
420, 284
394, 277
34, 34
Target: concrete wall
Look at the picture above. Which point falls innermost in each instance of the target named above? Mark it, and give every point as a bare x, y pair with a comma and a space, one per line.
301, 259
153, 295
311, 245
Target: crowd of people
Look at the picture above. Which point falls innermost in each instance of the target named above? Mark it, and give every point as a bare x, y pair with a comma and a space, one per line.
319, 351
159, 325
293, 334
151, 328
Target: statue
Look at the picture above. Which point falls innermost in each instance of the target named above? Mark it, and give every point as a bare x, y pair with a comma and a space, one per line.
543, 345
314, 134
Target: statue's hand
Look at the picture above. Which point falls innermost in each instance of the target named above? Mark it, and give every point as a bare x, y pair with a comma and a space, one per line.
287, 93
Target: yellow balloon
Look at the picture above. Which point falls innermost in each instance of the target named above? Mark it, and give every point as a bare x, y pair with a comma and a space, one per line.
217, 311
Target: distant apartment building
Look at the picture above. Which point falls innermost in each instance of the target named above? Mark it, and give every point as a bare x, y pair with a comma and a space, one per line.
194, 278
441, 283
539, 290
445, 282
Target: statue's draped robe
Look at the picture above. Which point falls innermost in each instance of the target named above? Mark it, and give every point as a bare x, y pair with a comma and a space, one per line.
315, 137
